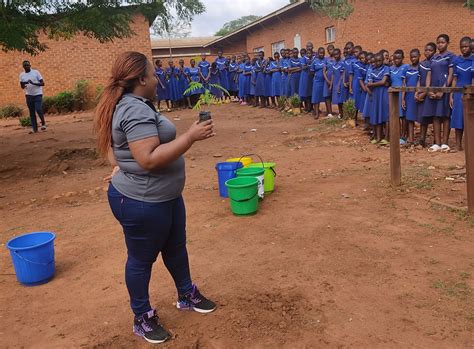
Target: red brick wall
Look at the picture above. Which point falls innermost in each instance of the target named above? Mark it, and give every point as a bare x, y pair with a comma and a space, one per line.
65, 62
374, 24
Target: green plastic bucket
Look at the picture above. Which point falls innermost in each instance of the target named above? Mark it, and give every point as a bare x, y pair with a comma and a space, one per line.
258, 173
270, 174
243, 195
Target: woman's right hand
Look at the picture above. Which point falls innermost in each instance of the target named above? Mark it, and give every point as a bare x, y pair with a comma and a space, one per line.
200, 131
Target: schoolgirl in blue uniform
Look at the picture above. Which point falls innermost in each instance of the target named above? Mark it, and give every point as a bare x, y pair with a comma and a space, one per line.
172, 74
183, 84
427, 104
441, 75
193, 74
253, 101
204, 68
347, 61
222, 65
260, 82
242, 77
317, 67
358, 74
353, 83
161, 88
285, 65
397, 78
275, 69
337, 81
378, 91
294, 72
303, 92
268, 82
368, 97
409, 105
327, 90
463, 76
215, 79
233, 77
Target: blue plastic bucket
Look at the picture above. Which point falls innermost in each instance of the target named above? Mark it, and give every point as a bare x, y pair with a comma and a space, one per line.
33, 257
226, 171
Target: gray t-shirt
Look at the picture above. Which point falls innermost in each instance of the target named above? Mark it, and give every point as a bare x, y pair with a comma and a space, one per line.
135, 118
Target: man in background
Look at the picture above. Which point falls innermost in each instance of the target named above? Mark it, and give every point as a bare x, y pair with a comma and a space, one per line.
32, 82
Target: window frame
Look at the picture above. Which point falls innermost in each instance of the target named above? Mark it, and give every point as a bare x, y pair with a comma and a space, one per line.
331, 29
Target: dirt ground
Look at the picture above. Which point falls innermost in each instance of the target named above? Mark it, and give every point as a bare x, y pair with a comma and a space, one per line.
334, 258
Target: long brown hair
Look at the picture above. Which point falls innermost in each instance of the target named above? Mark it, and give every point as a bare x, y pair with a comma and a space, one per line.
128, 68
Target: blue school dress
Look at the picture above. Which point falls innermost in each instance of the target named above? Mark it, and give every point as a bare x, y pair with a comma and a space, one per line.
183, 81
379, 111
268, 80
161, 93
242, 81
309, 88
204, 67
397, 75
285, 81
224, 73
413, 108
193, 74
463, 72
294, 77
440, 64
348, 62
427, 106
233, 76
327, 92
304, 78
368, 97
276, 79
359, 72
173, 84
337, 86
252, 81
317, 67
260, 81
215, 78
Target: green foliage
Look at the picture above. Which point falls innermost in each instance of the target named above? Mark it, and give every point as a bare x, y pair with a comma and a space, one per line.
231, 26
206, 98
25, 121
281, 102
349, 109
335, 9
49, 104
469, 4
64, 101
21, 22
80, 94
295, 101
10, 111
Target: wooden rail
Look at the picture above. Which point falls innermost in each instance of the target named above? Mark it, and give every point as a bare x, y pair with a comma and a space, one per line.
468, 104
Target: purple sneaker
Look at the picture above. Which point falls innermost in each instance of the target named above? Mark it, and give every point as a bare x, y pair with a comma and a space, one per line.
194, 300
148, 327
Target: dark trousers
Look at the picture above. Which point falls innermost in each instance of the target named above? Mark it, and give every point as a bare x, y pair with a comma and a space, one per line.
151, 228
35, 105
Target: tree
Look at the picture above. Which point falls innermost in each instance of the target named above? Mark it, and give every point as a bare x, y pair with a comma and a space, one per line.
236, 24
178, 28
21, 21
335, 9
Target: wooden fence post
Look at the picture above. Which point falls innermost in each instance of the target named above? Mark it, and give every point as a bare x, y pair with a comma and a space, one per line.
468, 104
394, 121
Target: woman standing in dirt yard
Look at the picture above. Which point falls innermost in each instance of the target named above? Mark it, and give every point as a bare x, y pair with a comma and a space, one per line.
145, 189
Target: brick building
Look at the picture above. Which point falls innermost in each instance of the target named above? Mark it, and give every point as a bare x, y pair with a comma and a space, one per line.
67, 61
374, 24
182, 48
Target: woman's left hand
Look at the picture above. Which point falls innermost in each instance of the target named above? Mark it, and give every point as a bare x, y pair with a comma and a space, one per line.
114, 172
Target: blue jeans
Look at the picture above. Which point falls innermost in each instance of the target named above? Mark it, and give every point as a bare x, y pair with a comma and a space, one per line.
35, 105
151, 228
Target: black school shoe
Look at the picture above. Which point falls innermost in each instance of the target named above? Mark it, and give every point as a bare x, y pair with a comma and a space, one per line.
194, 300
148, 327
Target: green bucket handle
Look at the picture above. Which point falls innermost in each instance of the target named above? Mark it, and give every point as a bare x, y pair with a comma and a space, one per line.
261, 160
243, 200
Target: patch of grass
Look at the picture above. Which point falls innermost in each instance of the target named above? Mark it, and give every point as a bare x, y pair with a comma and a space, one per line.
332, 122
459, 290
464, 275
418, 178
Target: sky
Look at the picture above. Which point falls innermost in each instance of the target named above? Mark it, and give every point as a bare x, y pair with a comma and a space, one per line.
219, 12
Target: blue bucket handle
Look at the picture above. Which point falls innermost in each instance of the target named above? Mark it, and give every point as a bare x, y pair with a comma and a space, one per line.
27, 260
